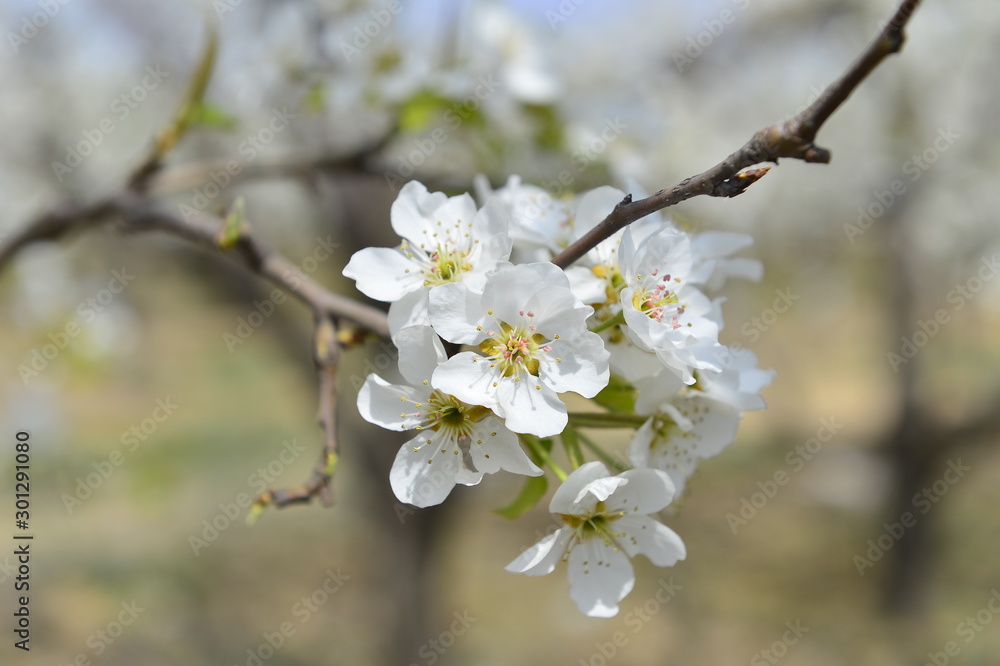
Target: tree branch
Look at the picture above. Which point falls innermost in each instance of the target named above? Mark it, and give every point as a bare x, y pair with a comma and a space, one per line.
793, 138
259, 258
326, 353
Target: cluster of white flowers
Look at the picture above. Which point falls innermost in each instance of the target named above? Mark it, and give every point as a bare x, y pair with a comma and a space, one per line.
630, 326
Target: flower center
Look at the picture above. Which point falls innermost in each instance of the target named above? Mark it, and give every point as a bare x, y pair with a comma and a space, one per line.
515, 348
452, 417
614, 282
445, 264
666, 429
447, 415
659, 302
598, 523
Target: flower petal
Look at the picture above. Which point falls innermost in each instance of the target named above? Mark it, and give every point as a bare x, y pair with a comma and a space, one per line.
391, 406
565, 497
384, 273
410, 310
420, 353
649, 537
468, 377
542, 558
530, 407
425, 471
411, 211
647, 491
495, 447
599, 577
583, 367
457, 313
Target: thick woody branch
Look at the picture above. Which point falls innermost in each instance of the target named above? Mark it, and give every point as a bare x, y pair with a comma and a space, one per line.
793, 138
61, 221
142, 214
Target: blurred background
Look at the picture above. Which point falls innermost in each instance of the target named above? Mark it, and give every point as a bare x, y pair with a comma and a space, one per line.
149, 424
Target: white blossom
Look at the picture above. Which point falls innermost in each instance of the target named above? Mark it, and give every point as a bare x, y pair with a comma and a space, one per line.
445, 240
456, 442
664, 314
533, 345
606, 522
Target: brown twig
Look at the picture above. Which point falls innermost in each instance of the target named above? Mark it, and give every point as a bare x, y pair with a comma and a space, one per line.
326, 353
186, 176
793, 138
62, 220
142, 214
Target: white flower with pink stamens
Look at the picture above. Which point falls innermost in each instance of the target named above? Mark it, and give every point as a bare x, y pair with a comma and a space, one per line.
664, 313
533, 342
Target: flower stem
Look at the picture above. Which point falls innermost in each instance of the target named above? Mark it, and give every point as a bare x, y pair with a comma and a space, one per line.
618, 319
605, 457
572, 444
536, 447
602, 420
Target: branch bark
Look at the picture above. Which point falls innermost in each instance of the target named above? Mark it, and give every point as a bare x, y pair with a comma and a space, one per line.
793, 138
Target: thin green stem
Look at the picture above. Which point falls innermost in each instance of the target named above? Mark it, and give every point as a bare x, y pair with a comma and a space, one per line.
618, 319
536, 447
572, 444
612, 462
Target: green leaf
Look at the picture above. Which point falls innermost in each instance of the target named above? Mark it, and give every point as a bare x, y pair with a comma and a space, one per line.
193, 97
315, 100
419, 111
548, 126
618, 396
533, 491
209, 115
